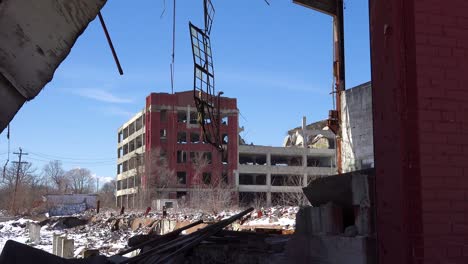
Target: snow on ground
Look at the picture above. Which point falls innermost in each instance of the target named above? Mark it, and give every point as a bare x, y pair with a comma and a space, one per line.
97, 233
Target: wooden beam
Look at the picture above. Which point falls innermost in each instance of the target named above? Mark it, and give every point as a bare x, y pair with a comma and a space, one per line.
325, 6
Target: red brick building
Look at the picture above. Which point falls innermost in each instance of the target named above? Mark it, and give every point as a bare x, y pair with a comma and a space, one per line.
168, 128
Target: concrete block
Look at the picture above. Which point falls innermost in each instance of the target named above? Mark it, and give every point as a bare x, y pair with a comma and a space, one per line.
34, 233
326, 219
67, 248
331, 217
57, 244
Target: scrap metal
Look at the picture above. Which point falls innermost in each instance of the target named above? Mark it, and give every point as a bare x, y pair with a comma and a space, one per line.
207, 100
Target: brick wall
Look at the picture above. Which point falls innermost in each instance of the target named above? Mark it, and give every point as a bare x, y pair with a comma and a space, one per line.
441, 29
419, 74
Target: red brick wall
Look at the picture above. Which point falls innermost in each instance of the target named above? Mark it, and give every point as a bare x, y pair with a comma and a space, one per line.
170, 145
419, 73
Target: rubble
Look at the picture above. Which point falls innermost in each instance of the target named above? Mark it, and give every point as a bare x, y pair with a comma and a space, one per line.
90, 230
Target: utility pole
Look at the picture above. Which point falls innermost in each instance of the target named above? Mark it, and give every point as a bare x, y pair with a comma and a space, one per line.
19, 163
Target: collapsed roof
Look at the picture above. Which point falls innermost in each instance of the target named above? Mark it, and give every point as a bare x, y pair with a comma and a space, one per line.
35, 37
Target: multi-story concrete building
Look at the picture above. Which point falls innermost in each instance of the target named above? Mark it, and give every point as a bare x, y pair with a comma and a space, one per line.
269, 172
168, 128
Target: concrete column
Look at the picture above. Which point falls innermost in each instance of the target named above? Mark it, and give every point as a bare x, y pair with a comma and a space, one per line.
304, 160
304, 180
55, 244
34, 233
268, 184
67, 248
268, 159
236, 178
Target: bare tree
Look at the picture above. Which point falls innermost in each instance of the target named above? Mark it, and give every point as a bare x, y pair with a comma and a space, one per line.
54, 172
107, 194
158, 177
209, 191
294, 198
81, 180
29, 189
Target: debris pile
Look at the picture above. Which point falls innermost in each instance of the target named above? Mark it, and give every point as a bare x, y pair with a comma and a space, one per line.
210, 242
110, 232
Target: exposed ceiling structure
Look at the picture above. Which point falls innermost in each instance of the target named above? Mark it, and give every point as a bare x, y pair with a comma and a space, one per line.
32, 47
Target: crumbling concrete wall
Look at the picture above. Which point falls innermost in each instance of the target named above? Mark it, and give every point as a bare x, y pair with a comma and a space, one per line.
35, 37
357, 131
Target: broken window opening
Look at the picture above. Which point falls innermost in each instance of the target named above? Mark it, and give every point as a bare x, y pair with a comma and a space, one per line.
125, 149
131, 129
181, 195
163, 133
193, 118
119, 152
225, 138
194, 137
181, 156
252, 159
130, 182
181, 137
163, 115
131, 146
182, 117
125, 133
125, 166
224, 120
120, 136
181, 177
277, 160
139, 123
207, 177
207, 157
252, 179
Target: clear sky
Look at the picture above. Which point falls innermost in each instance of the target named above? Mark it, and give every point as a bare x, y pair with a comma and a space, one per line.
275, 59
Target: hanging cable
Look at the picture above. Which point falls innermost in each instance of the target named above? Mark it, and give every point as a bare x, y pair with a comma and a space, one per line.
173, 46
8, 156
164, 9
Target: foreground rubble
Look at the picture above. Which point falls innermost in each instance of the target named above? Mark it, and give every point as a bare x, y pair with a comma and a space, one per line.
109, 232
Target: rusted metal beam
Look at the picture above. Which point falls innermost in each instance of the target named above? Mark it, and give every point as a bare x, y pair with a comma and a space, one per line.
109, 40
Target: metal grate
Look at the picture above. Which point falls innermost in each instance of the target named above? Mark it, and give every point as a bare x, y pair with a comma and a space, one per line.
209, 14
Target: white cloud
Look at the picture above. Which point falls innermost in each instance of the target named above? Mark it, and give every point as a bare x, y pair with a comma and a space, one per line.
117, 111
101, 95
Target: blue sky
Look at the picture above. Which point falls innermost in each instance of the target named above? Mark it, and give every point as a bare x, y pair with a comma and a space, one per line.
275, 59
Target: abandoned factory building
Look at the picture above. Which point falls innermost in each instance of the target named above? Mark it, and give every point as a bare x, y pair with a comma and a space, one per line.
167, 129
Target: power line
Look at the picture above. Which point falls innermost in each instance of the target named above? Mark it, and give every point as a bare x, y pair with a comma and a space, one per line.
76, 162
49, 156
